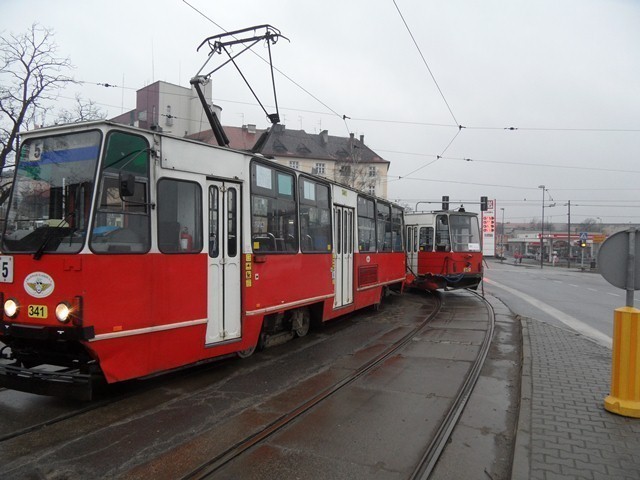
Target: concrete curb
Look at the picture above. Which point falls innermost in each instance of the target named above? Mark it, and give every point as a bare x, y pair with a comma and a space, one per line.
521, 467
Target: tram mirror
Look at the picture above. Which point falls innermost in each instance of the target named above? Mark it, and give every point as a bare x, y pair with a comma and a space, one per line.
127, 184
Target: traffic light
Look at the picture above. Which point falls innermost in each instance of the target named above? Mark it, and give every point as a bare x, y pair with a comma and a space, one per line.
483, 204
583, 243
445, 202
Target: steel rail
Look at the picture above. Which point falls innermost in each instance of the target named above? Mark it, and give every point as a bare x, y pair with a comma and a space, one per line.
436, 447
211, 466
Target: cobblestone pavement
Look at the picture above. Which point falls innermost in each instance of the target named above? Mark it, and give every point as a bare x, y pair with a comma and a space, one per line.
564, 430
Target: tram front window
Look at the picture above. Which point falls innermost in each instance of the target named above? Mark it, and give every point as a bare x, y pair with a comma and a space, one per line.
465, 233
53, 186
443, 242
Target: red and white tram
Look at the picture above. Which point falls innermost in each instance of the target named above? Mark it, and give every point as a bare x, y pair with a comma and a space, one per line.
129, 252
443, 250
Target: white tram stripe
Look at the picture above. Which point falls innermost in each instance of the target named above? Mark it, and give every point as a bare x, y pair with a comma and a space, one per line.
142, 331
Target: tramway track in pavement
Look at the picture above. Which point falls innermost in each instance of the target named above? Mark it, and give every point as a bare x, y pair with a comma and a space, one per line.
215, 464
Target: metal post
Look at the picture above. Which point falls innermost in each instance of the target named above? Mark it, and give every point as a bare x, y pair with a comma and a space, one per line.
631, 264
569, 234
542, 230
502, 237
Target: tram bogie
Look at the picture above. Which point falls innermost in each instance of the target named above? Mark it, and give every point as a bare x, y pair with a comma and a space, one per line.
443, 250
127, 253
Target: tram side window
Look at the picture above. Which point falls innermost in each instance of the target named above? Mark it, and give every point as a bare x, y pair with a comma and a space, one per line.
179, 216
315, 218
121, 224
396, 229
366, 225
384, 227
443, 243
274, 220
426, 239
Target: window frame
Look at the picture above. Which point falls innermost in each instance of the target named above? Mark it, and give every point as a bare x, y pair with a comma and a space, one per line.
271, 196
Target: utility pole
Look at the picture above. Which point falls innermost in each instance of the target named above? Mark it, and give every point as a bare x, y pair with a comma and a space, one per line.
569, 234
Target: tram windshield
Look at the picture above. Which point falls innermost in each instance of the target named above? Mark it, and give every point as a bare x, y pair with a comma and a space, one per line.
465, 233
51, 196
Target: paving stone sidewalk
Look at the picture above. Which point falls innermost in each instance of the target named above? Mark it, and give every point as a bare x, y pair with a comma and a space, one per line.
563, 430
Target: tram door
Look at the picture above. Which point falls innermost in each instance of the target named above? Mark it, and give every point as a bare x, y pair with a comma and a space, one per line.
343, 219
223, 286
412, 248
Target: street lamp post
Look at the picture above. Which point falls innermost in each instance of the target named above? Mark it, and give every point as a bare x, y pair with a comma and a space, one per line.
502, 237
569, 234
542, 229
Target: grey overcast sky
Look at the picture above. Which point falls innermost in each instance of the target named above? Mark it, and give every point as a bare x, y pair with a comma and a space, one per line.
564, 73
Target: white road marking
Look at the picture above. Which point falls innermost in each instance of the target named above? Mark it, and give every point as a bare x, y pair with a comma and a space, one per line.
613, 294
572, 285
568, 320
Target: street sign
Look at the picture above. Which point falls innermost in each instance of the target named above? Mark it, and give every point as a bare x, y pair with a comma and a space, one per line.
584, 236
613, 260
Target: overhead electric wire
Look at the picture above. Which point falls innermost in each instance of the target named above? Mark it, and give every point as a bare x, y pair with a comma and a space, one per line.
424, 60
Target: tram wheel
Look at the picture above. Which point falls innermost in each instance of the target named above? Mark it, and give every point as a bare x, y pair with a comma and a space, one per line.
246, 353
300, 322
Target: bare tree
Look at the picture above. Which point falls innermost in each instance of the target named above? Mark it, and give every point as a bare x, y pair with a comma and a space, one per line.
590, 225
31, 73
82, 111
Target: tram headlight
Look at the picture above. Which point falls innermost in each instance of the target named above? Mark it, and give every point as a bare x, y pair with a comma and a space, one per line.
63, 312
11, 308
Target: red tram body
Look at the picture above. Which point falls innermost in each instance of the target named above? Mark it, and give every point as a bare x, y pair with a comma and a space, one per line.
443, 250
128, 252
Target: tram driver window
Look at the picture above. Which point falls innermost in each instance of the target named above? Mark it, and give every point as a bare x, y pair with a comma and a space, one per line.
121, 225
443, 242
274, 219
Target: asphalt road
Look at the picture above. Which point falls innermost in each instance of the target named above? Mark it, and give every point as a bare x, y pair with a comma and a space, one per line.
568, 298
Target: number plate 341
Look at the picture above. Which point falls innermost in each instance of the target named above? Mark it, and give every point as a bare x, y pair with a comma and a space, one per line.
38, 311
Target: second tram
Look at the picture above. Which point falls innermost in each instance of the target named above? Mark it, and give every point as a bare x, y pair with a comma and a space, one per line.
443, 250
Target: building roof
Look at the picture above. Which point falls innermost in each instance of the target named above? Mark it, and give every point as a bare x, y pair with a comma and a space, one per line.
240, 138
280, 142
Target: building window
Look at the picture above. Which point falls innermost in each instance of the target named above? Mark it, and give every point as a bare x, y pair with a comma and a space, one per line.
319, 169
294, 164
372, 171
371, 190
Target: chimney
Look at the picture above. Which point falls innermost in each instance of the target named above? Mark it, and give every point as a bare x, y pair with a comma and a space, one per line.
251, 128
324, 137
362, 139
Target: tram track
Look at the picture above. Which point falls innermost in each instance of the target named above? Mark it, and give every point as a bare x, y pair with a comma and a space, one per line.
209, 468
436, 447
429, 458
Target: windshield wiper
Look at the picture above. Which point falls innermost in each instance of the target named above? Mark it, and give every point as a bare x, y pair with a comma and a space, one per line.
49, 235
